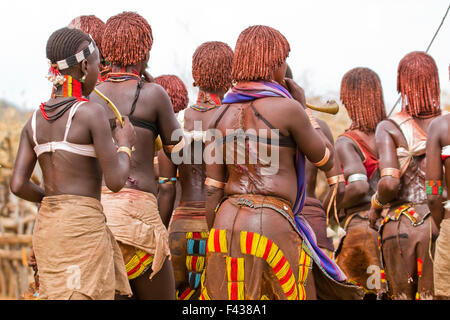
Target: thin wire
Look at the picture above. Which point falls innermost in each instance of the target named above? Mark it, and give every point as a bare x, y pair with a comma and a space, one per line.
429, 46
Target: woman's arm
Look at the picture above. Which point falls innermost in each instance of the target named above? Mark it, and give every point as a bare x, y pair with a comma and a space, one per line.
356, 191
115, 165
387, 189
24, 165
167, 191
434, 168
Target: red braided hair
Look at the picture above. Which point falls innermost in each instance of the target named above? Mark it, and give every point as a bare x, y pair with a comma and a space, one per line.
418, 83
127, 39
211, 66
91, 25
176, 90
362, 95
259, 51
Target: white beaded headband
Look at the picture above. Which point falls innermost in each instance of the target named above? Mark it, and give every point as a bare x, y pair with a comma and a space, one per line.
76, 58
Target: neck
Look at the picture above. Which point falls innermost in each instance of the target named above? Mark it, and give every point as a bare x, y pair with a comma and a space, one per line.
134, 69
70, 88
209, 98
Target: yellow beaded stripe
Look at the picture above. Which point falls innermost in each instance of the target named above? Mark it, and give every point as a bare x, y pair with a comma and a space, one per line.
305, 266
262, 247
235, 277
217, 241
138, 264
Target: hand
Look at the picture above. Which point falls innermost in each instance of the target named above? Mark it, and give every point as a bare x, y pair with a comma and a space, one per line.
296, 91
32, 260
434, 228
147, 76
374, 215
126, 136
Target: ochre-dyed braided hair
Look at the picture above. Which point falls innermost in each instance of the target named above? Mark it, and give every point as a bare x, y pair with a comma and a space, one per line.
91, 25
259, 51
211, 66
127, 39
176, 90
418, 83
362, 96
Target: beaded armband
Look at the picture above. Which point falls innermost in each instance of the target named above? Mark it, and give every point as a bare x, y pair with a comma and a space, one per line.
434, 187
162, 180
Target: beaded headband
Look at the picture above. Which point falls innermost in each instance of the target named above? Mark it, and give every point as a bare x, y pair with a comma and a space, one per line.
76, 58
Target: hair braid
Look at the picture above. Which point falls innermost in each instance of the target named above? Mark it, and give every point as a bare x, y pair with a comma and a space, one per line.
64, 43
362, 95
259, 51
91, 25
418, 83
211, 66
176, 90
127, 39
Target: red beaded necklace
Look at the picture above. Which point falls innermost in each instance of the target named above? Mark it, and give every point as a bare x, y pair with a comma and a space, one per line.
70, 88
211, 99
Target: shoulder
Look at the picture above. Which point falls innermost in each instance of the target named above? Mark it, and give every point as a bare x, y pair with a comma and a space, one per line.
386, 126
440, 122
154, 91
345, 144
91, 111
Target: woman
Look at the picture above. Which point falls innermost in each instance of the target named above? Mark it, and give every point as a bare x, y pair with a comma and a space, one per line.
357, 253
438, 152
211, 70
255, 245
407, 231
133, 214
77, 255
95, 27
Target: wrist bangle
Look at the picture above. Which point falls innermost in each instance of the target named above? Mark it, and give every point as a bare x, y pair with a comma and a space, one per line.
335, 179
126, 150
376, 204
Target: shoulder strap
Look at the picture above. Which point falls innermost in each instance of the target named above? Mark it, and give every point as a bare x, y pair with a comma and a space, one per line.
366, 150
33, 127
136, 96
221, 115
259, 116
73, 109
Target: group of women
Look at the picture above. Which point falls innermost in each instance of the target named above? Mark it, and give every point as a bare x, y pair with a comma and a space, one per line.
122, 217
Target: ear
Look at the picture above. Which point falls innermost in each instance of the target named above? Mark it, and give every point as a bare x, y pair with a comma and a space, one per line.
84, 67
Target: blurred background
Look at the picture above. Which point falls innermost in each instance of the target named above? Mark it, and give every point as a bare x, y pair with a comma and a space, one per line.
327, 39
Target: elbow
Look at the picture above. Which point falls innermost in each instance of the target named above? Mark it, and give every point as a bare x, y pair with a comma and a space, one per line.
115, 185
16, 186
166, 191
434, 201
358, 189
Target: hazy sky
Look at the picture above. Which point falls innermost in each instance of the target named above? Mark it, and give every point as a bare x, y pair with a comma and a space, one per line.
327, 37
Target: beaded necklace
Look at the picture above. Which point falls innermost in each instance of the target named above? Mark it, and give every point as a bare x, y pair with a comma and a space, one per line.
211, 99
122, 76
71, 88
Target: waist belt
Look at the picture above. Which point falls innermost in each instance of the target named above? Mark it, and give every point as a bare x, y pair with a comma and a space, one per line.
279, 205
